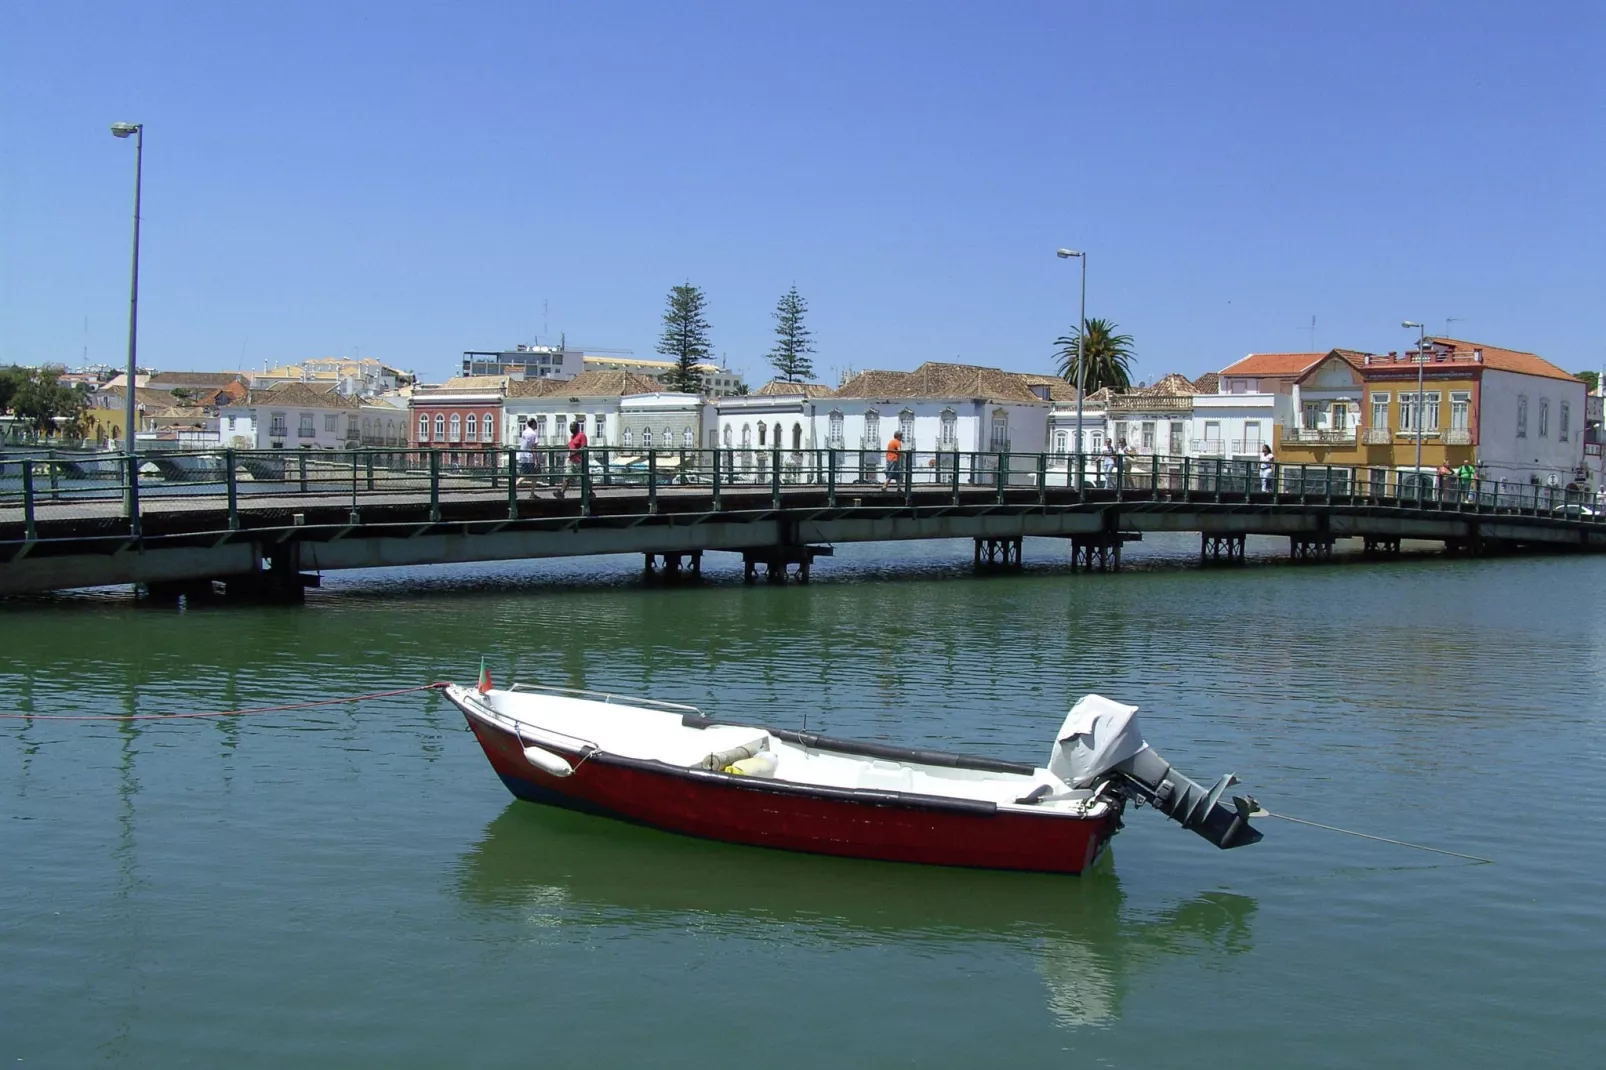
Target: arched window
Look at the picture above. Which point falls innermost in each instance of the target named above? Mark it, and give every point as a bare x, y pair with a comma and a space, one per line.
906, 428
948, 435
365, 427
797, 436
776, 437
669, 438
688, 439
727, 436
1062, 442
1544, 417
872, 429
1522, 415
747, 437
761, 435
630, 438
646, 438
487, 428
390, 432
423, 429
457, 428
1564, 432
834, 428
472, 431
998, 442
440, 428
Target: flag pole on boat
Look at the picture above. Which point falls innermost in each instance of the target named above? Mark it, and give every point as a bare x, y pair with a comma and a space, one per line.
485, 676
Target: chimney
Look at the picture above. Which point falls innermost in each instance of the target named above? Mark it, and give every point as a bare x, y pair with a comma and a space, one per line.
1477, 355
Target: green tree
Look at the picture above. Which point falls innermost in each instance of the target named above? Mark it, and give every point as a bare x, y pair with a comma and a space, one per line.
1590, 379
1109, 357
685, 338
40, 400
793, 341
11, 380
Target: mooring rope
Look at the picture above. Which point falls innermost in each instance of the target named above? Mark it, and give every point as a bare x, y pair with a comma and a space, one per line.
1366, 836
246, 712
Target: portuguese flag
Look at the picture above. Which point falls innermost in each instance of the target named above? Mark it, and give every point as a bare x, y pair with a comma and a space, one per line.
485, 676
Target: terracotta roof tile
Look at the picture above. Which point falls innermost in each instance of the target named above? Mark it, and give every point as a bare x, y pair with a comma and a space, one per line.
1272, 364
1208, 383
936, 380
781, 388
1505, 360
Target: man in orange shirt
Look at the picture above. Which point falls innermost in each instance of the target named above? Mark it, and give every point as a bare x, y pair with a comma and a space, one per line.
577, 457
894, 458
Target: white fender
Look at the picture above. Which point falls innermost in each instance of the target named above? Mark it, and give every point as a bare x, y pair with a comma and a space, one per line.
547, 762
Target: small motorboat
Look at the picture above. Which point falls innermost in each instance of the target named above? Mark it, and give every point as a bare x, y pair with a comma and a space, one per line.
673, 767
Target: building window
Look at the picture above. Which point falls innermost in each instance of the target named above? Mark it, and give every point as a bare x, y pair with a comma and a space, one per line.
948, 435
1430, 410
688, 439
306, 430
727, 436
457, 428
231, 423
646, 438
797, 436
630, 438
1380, 411
1460, 406
906, 428
761, 436
999, 441
775, 436
747, 437
872, 428
487, 428
1251, 436
351, 427
472, 430
276, 426
834, 429
1175, 444
1119, 437
1340, 416
540, 428
1544, 417
601, 422
1097, 440
1313, 415
1213, 430
329, 422
1062, 443
440, 427
423, 429
1564, 432
669, 438
1522, 415
1147, 432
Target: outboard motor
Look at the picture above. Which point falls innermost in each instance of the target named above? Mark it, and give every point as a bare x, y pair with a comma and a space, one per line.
1100, 738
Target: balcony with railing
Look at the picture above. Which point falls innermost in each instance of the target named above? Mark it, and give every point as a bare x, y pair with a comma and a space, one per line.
1377, 436
1458, 436
1319, 436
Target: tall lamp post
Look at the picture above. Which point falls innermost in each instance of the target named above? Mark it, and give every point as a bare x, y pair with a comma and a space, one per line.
1081, 355
137, 130
1421, 364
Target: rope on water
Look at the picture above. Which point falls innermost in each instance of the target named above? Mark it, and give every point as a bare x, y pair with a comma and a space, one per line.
217, 713
1365, 836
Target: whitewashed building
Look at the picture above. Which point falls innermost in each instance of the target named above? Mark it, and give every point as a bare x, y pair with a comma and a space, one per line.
592, 399
662, 420
952, 417
292, 416
777, 419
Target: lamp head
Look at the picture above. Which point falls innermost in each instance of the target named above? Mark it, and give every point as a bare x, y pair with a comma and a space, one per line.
1408, 323
1066, 254
125, 129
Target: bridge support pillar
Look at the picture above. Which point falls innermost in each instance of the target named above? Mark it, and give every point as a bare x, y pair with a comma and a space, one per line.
777, 562
998, 553
169, 592
1310, 547
1473, 546
281, 581
1379, 546
1221, 549
672, 567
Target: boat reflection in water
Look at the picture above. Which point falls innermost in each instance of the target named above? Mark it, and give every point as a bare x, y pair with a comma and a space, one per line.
554, 867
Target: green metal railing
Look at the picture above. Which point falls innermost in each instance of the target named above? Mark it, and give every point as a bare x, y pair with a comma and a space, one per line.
121, 490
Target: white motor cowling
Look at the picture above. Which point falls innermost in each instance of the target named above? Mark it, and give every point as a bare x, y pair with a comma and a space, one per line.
1098, 734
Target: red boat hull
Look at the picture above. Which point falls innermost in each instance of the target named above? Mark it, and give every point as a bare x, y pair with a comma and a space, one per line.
767, 813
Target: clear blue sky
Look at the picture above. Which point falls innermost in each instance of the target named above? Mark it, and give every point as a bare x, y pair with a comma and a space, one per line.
414, 180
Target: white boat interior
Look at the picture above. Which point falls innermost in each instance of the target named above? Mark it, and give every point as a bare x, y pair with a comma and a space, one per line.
647, 730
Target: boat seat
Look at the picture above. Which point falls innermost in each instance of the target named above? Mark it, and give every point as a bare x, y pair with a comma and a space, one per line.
886, 776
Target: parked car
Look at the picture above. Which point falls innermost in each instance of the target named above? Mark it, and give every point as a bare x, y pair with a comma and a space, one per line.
1575, 510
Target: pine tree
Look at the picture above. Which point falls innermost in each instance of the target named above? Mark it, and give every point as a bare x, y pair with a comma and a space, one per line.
685, 338
793, 341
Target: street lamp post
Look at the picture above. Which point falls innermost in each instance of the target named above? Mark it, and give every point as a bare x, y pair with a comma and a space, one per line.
138, 132
1081, 356
1421, 365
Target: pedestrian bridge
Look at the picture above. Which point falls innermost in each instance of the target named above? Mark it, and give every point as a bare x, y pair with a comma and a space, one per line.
264, 521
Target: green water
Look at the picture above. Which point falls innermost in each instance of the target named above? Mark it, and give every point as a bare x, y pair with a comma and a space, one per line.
351, 885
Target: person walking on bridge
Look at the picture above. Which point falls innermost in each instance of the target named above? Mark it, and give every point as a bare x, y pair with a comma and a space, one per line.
1268, 469
577, 457
529, 441
894, 458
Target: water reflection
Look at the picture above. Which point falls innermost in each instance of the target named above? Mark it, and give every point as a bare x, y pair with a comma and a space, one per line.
548, 867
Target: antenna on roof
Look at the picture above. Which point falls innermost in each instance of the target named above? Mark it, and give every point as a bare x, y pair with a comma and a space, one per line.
1312, 330
1452, 319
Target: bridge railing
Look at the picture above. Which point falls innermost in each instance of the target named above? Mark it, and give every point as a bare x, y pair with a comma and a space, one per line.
269, 484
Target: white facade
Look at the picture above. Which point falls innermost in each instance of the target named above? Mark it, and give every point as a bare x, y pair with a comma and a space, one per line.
1062, 436
598, 417
938, 435
1530, 428
663, 421
1236, 425
1324, 405
263, 422
748, 430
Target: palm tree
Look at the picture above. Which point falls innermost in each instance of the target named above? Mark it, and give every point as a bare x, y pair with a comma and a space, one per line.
1109, 357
